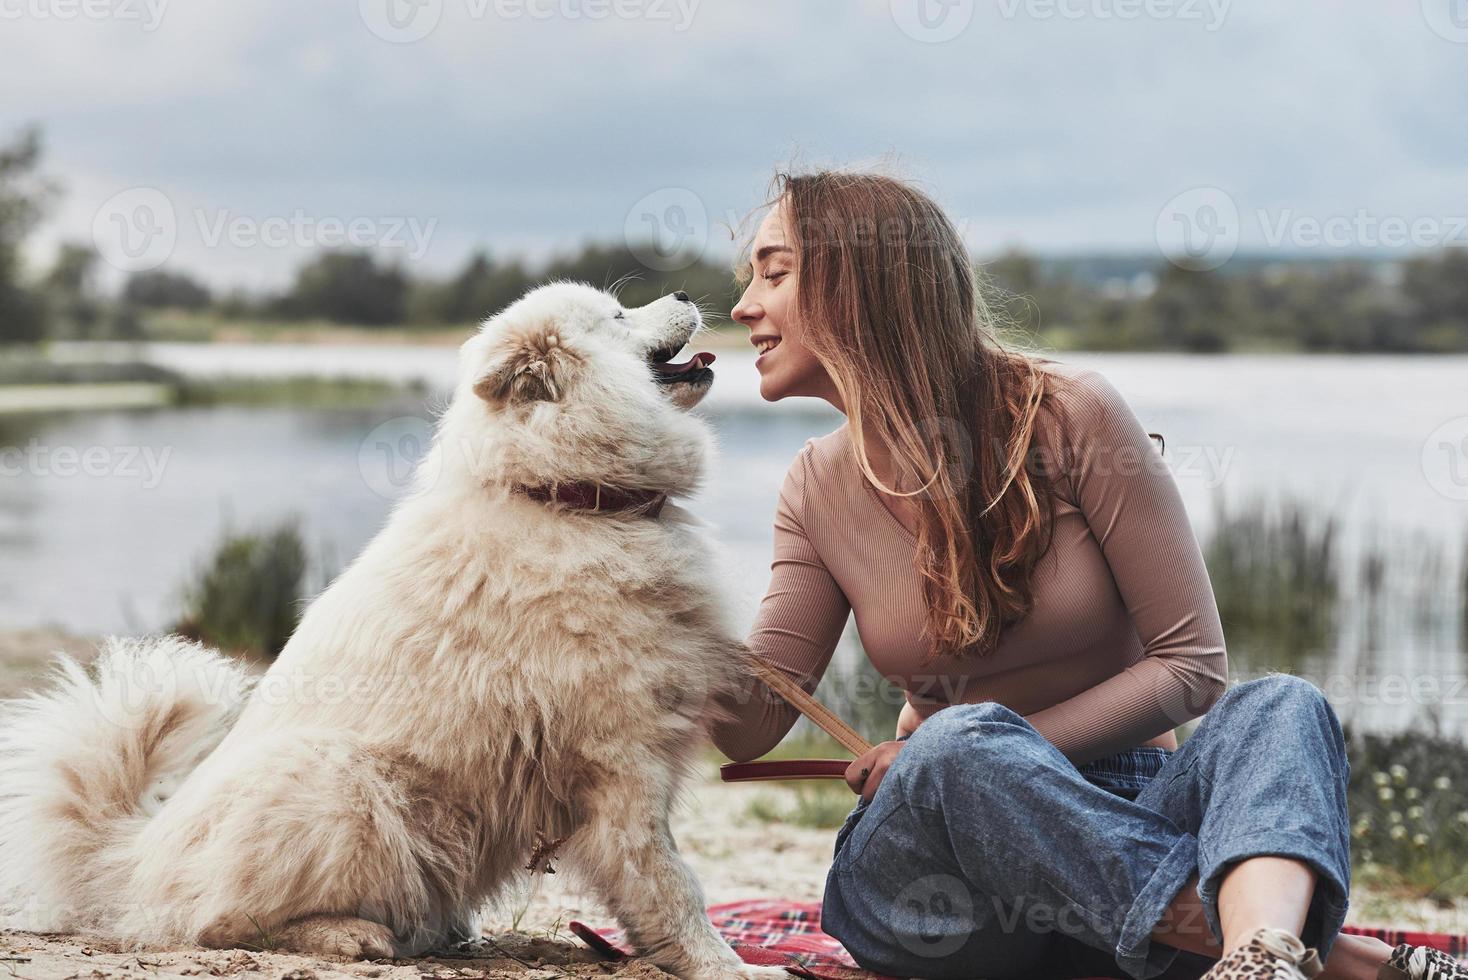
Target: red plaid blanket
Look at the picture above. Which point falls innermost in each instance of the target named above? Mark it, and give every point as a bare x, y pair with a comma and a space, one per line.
788, 934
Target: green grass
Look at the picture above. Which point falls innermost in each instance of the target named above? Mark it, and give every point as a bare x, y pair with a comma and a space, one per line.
247, 598
1276, 575
267, 940
309, 392
820, 804
1294, 597
1408, 800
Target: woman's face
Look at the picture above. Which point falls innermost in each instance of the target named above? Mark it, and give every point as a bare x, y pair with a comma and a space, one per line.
768, 309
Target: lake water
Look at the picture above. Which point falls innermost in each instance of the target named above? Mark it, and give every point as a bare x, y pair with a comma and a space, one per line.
104, 515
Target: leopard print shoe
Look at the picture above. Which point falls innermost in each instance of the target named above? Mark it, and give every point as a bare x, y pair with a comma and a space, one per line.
1270, 954
1421, 963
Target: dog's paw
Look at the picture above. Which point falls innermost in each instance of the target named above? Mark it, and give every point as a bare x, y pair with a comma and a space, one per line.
747, 972
330, 935
737, 970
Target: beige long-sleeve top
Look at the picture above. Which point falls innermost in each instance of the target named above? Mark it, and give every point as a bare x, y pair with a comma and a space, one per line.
1122, 644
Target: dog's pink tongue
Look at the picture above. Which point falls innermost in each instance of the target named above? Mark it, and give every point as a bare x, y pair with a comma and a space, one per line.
701, 359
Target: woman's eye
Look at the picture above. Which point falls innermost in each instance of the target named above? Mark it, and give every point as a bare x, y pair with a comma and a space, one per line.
773, 276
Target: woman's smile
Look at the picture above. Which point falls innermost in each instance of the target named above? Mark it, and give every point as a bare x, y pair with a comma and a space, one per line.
765, 343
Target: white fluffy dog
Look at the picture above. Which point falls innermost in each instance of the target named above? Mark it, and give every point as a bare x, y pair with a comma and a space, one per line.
505, 676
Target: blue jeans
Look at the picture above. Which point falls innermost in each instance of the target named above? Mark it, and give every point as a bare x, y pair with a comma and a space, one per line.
986, 853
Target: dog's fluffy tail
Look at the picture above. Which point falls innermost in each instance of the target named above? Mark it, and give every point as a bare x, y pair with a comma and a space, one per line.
85, 764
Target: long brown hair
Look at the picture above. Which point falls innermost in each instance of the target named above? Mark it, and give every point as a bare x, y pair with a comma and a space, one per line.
891, 305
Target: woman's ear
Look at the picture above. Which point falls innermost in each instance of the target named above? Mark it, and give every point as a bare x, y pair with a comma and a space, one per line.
534, 366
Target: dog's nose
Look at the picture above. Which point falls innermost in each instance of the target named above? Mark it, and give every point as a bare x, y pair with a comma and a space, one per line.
681, 296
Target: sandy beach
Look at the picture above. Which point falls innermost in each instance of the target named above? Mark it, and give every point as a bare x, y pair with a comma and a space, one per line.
736, 856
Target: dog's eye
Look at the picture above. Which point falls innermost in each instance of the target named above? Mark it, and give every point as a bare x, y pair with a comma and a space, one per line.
620, 316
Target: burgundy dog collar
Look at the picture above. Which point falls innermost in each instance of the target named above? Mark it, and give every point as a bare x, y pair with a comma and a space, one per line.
597, 497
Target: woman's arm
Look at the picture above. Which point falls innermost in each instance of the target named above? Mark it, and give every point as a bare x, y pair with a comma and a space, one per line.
796, 628
1132, 505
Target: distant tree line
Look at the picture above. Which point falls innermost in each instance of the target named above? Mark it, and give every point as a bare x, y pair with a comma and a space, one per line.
357, 287
1419, 304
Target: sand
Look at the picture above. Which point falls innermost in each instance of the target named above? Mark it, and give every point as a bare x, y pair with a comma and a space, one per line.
734, 855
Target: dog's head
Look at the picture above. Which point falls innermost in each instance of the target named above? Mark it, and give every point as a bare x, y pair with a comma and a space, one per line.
568, 384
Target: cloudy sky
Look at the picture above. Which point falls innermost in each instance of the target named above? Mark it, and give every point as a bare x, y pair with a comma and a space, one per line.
224, 137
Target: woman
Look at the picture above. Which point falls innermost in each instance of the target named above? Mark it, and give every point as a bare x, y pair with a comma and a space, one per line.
1012, 546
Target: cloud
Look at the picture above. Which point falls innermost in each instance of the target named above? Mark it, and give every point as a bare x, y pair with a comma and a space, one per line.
536, 124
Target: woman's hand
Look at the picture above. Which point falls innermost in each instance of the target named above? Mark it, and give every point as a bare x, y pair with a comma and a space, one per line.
865, 774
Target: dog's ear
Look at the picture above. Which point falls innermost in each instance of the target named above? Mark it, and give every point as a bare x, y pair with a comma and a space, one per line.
534, 365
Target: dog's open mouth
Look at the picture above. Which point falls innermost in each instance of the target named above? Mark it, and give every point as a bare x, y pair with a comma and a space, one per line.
692, 371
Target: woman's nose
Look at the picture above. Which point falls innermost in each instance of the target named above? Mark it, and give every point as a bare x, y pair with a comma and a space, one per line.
746, 312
